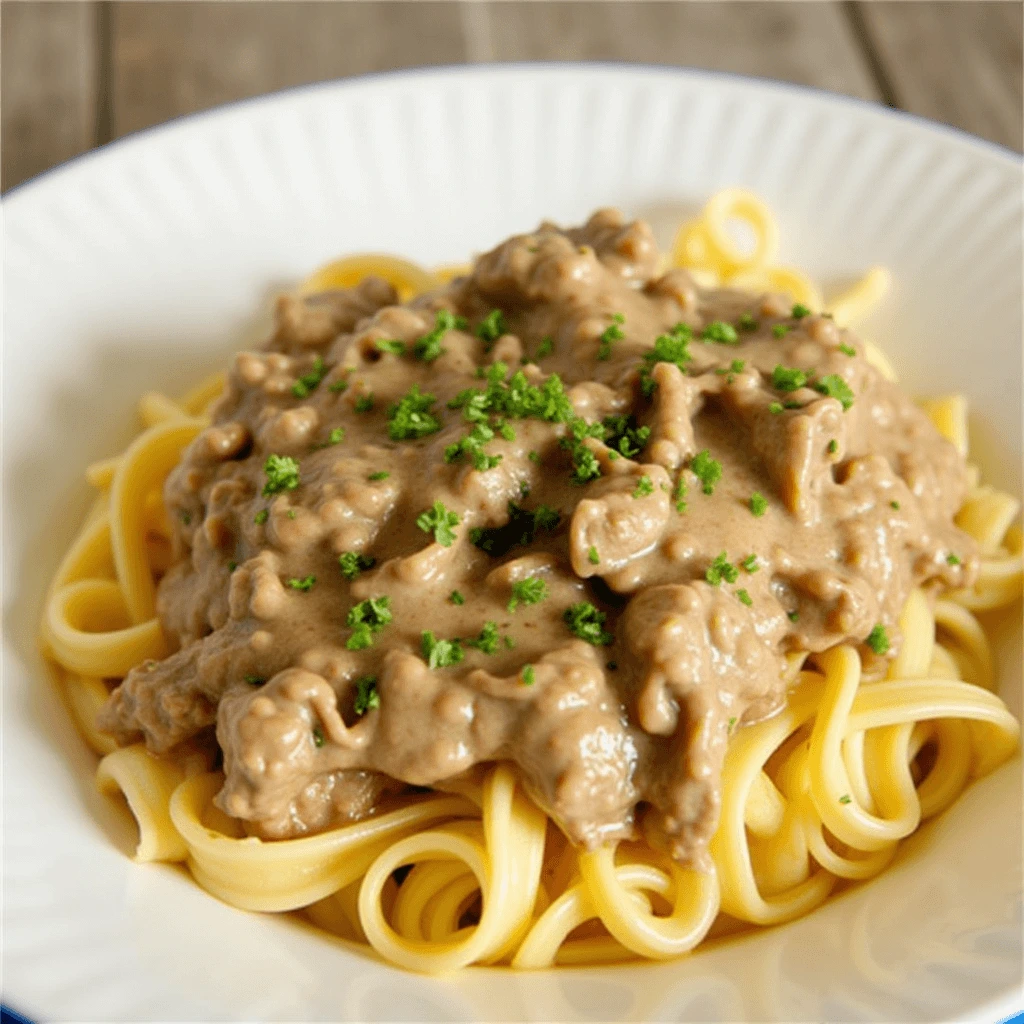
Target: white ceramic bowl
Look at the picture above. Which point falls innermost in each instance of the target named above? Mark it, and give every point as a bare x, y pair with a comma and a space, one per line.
144, 264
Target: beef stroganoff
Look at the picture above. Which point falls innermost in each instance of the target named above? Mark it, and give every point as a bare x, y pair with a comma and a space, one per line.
543, 610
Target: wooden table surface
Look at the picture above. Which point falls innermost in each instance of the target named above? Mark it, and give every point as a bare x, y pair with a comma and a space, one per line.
74, 75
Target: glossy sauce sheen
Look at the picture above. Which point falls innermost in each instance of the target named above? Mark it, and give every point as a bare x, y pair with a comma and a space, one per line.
608, 737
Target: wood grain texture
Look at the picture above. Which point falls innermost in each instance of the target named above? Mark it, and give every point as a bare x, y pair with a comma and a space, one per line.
807, 43
960, 63
174, 58
47, 86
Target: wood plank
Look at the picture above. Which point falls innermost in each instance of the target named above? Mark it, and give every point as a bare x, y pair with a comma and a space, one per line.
174, 58
960, 63
807, 43
48, 79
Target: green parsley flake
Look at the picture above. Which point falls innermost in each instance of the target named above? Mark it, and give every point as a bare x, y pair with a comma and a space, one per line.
440, 653
456, 598
521, 528
895, 505
255, 680
587, 622
878, 639
721, 569
439, 520
232, 566
624, 437
747, 322
517, 398
952, 559
366, 619
410, 417
749, 563
744, 597
545, 348
613, 332
336, 436
381, 474
318, 736
833, 446
292, 513
585, 464
529, 676
310, 381
354, 562
428, 348
707, 470
800, 311
534, 456
845, 798
364, 403
395, 348
721, 332
847, 350
529, 591
487, 641
261, 517
679, 494
758, 504
673, 347
786, 378
775, 408
732, 723
781, 330
282, 474
592, 556
367, 696
186, 517
835, 387
492, 327
644, 487
793, 616
306, 583
339, 386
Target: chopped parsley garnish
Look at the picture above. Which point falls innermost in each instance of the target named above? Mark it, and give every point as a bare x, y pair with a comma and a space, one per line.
952, 559
736, 366
354, 562
721, 569
492, 327
775, 408
306, 583
781, 330
622, 435
396, 348
673, 347
707, 470
439, 521
847, 350
517, 398
833, 446
428, 348
744, 597
758, 504
721, 332
410, 417
232, 566
507, 431
472, 445
339, 386
529, 675
381, 474
787, 378
585, 464
895, 505
292, 513
835, 387
367, 696
800, 311
261, 517
186, 517
793, 616
529, 591
336, 436
310, 381
440, 653
613, 332
746, 322
318, 736
487, 641
845, 798
282, 474
732, 723
878, 639
679, 494
521, 528
644, 487
545, 348
364, 403
592, 556
749, 563
255, 680
456, 598
534, 456
365, 619
587, 622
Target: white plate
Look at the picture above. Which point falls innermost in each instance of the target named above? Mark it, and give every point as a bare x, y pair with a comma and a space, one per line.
143, 264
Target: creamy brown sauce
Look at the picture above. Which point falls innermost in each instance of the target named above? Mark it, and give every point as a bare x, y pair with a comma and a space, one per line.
608, 736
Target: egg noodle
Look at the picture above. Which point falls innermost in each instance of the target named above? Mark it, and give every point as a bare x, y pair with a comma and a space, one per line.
819, 795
